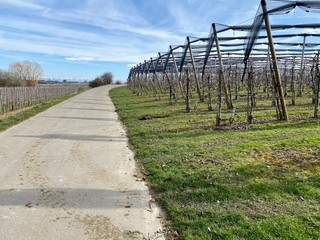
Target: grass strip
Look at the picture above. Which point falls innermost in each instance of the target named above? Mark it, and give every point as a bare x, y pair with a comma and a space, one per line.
259, 181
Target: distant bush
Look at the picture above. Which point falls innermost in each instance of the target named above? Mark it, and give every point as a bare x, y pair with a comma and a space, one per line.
104, 79
95, 83
7, 79
118, 82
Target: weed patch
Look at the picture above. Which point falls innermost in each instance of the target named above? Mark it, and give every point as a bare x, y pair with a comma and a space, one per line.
298, 160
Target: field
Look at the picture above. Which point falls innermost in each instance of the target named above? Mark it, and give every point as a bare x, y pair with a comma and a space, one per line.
235, 181
14, 98
14, 117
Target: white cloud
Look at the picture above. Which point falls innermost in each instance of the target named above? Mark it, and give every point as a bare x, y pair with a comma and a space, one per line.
22, 4
80, 58
94, 31
131, 65
113, 30
123, 11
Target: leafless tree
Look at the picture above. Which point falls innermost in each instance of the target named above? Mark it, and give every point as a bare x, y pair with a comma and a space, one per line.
26, 71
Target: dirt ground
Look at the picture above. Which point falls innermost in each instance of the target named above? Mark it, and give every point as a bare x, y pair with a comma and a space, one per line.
68, 173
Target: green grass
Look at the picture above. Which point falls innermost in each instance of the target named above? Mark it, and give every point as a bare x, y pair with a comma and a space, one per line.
10, 119
239, 181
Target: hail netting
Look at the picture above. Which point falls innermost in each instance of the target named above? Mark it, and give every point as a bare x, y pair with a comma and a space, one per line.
201, 64
257, 25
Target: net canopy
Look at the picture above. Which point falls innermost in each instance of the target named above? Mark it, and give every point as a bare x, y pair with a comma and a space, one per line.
240, 43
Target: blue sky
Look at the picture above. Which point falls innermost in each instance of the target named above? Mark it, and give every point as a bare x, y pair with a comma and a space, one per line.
81, 39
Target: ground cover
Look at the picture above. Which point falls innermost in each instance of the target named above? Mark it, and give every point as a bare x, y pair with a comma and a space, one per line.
236, 181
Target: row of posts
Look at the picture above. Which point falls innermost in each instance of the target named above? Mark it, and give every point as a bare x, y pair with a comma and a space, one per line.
144, 70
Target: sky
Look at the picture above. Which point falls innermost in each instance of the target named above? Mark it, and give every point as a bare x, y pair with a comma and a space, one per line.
82, 39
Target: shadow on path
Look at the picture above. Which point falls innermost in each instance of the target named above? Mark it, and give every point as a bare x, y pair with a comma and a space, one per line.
88, 109
73, 197
77, 137
83, 118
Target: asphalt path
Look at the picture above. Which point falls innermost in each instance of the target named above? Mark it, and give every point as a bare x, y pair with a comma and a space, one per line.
68, 173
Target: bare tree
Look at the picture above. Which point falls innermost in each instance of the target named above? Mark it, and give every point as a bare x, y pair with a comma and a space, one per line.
16, 69
36, 71
27, 71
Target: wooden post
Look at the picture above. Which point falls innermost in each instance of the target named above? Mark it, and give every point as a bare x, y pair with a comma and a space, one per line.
139, 79
293, 91
285, 79
317, 87
228, 100
236, 85
134, 77
267, 76
301, 67
155, 75
177, 73
149, 85
284, 115
165, 76
188, 91
250, 95
194, 71
218, 115
209, 92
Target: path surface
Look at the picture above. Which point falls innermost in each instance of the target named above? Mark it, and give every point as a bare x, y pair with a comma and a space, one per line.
68, 174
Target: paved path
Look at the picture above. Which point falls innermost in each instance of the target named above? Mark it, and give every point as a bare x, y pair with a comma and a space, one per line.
68, 174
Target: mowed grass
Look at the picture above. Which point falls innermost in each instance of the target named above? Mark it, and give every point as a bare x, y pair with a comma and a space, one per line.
233, 182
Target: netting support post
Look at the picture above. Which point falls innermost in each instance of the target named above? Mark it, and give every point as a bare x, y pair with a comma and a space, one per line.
149, 86
155, 76
301, 67
274, 62
194, 71
164, 82
139, 80
166, 76
223, 79
183, 94
317, 87
188, 91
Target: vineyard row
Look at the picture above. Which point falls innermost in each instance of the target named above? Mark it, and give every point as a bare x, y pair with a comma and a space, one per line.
14, 98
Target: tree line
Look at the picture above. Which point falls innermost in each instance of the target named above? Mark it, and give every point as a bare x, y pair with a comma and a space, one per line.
28, 73
24, 73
